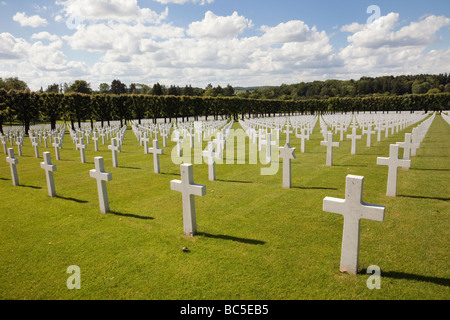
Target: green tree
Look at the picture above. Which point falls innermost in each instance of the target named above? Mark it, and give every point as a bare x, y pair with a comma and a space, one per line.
157, 89
117, 87
25, 107
80, 86
104, 88
13, 84
51, 109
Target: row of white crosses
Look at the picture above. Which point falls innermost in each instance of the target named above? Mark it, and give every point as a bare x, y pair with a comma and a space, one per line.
98, 173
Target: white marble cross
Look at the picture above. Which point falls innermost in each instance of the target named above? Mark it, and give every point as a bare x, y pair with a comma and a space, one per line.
188, 189
49, 169
288, 132
353, 209
4, 143
57, 145
178, 141
102, 135
101, 176
303, 136
45, 137
408, 146
35, 144
145, 140
342, 130
393, 162
95, 139
369, 133
210, 154
19, 143
114, 147
156, 152
354, 137
13, 164
287, 153
379, 128
329, 144
81, 146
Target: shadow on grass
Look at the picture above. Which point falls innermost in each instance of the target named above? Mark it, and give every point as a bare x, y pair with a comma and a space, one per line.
171, 174
134, 168
71, 199
313, 188
409, 276
129, 215
423, 197
425, 169
224, 237
5, 179
236, 181
26, 186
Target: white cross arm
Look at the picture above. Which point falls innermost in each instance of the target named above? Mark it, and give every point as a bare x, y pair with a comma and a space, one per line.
192, 189
106, 176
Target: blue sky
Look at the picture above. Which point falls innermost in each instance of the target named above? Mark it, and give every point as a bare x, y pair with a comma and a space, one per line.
242, 43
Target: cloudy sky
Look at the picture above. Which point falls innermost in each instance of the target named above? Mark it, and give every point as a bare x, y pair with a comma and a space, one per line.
237, 42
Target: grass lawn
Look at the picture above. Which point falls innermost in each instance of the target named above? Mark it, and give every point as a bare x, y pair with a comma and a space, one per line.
255, 239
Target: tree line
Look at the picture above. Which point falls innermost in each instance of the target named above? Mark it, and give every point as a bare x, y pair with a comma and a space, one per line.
27, 107
386, 85
118, 87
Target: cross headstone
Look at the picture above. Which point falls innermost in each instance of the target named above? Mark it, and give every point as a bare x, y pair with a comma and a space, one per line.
95, 139
408, 146
102, 135
354, 137
329, 144
369, 133
210, 154
353, 209
287, 153
188, 189
49, 169
114, 147
145, 140
342, 130
393, 162
4, 143
35, 144
288, 132
13, 165
156, 152
81, 146
19, 143
57, 145
178, 141
303, 136
45, 137
102, 177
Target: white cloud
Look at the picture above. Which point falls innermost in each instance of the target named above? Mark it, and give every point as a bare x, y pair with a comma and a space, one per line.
381, 32
110, 10
45, 35
218, 27
33, 21
380, 49
11, 47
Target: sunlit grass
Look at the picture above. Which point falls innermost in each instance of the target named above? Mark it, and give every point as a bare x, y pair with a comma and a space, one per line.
256, 240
